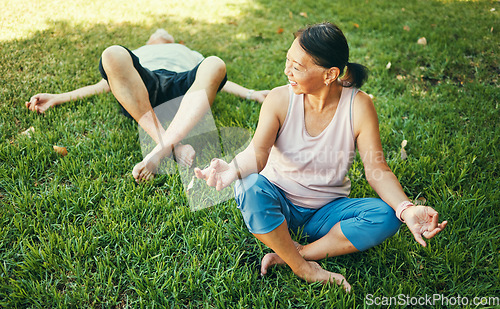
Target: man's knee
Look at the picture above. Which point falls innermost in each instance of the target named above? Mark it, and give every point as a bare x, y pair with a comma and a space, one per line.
115, 57
216, 66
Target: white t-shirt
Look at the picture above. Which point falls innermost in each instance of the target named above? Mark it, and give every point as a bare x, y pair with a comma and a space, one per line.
172, 56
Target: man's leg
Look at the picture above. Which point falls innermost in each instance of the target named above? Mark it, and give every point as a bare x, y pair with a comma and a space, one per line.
129, 89
194, 105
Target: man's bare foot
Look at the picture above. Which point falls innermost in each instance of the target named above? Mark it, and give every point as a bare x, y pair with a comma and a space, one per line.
184, 154
146, 169
142, 173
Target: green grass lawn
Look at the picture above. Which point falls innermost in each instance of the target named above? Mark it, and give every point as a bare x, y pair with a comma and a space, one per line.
76, 231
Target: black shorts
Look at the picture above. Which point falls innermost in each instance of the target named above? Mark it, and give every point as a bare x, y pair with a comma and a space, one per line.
162, 85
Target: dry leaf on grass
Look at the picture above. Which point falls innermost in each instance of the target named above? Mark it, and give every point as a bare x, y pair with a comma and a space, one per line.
404, 156
420, 201
60, 150
280, 30
422, 41
388, 66
303, 14
406, 28
356, 25
28, 131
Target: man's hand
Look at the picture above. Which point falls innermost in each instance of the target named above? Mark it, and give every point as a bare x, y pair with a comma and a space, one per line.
259, 96
423, 221
42, 101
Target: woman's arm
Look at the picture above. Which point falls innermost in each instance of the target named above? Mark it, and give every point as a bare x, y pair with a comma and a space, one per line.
254, 158
377, 172
245, 93
421, 220
43, 101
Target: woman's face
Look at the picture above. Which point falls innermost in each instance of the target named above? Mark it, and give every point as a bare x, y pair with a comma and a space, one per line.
303, 74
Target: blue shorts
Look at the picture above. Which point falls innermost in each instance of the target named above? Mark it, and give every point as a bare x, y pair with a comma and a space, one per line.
366, 222
162, 85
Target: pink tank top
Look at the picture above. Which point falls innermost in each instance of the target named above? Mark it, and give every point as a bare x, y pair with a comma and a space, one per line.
312, 170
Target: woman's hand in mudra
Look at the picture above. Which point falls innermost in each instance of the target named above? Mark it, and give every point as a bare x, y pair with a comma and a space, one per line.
218, 174
423, 221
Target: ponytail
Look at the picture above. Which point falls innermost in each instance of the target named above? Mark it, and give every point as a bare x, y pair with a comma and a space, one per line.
356, 75
328, 47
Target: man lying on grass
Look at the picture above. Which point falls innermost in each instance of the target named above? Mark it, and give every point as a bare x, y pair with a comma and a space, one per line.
157, 73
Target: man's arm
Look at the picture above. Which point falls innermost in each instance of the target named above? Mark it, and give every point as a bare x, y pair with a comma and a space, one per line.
43, 101
246, 93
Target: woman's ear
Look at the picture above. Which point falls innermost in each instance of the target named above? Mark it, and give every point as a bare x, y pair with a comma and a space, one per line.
331, 75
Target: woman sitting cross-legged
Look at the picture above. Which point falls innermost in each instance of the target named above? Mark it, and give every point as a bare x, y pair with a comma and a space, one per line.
293, 175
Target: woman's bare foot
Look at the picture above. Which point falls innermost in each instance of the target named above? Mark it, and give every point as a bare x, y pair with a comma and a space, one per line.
317, 274
272, 259
269, 260
313, 274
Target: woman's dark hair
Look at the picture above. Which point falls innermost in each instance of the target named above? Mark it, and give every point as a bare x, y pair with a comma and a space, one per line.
328, 47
